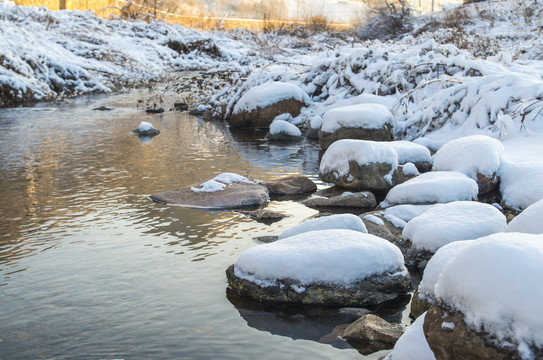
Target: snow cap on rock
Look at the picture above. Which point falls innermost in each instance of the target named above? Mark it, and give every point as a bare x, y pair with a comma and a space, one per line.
470, 155
338, 221
268, 94
324, 256
433, 187
284, 127
495, 282
459, 220
528, 221
367, 116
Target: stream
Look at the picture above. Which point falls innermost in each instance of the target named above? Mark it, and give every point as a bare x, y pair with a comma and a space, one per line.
91, 268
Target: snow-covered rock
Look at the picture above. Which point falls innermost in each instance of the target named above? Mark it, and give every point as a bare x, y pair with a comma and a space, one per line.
528, 221
146, 129
520, 183
412, 345
476, 156
489, 293
362, 121
225, 191
263, 103
432, 187
339, 221
459, 220
410, 152
360, 165
327, 267
283, 130
370, 333
424, 296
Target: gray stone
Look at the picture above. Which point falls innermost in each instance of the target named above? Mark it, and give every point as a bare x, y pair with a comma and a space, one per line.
290, 185
235, 195
362, 177
262, 117
460, 342
372, 290
264, 215
373, 329
151, 132
363, 199
382, 134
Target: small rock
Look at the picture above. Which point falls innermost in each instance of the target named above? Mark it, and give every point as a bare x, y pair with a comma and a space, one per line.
154, 111
372, 331
103, 108
290, 185
180, 106
362, 199
263, 215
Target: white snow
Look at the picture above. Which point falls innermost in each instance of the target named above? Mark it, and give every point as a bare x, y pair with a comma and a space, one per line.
283, 127
338, 221
435, 266
316, 122
145, 126
409, 169
528, 221
336, 256
459, 220
495, 282
340, 153
365, 116
520, 183
470, 155
432, 187
374, 219
219, 182
407, 212
412, 345
262, 96
411, 152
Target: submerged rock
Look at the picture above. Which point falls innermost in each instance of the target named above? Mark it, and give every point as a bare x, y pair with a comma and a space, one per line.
281, 130
225, 191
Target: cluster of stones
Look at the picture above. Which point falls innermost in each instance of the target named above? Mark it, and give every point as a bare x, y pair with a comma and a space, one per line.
363, 164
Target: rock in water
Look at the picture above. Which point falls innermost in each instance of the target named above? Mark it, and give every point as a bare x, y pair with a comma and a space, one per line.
371, 333
290, 185
225, 191
359, 165
325, 267
146, 129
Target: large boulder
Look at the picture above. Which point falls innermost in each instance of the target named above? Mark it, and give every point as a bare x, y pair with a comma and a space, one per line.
261, 104
361, 121
325, 267
477, 156
359, 165
225, 191
488, 303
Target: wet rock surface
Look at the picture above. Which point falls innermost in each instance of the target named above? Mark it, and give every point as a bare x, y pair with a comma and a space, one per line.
371, 333
362, 177
363, 199
372, 290
290, 185
236, 195
451, 339
382, 134
262, 117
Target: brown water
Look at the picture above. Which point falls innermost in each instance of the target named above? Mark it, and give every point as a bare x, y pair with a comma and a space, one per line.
91, 268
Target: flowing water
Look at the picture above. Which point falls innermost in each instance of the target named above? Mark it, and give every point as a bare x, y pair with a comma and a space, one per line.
91, 268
